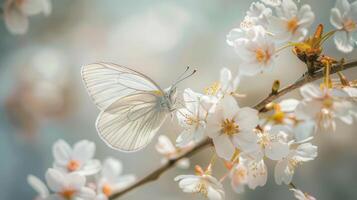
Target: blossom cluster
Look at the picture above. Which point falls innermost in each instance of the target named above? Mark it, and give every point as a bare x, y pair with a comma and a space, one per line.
242, 137
75, 174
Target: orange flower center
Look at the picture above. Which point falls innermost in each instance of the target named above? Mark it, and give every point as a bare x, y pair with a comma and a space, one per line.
229, 127
262, 56
107, 190
292, 24
73, 165
349, 25
67, 193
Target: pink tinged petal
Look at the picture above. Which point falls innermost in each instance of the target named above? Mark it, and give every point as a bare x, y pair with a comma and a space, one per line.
224, 147
61, 152
336, 18
31, 7
343, 41
86, 193
15, 21
38, 186
55, 179
282, 174
289, 105
277, 150
83, 151
306, 152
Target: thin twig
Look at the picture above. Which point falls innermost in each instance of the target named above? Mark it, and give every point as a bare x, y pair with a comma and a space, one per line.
157, 173
207, 142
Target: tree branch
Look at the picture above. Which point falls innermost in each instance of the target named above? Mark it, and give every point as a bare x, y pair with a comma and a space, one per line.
207, 142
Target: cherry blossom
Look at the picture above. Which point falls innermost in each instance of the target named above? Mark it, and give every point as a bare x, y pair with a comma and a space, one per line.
77, 159
256, 50
325, 105
344, 18
110, 179
284, 169
231, 127
202, 183
271, 142
290, 22
192, 117
67, 186
165, 147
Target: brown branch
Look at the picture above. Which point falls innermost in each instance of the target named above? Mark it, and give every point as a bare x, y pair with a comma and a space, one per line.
157, 173
207, 142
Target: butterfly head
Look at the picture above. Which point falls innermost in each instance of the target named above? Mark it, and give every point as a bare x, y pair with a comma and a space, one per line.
171, 97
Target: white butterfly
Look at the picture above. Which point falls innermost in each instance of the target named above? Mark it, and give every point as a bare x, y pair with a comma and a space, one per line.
133, 107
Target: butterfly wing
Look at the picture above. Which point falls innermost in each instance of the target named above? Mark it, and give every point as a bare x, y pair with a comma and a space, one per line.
131, 122
107, 82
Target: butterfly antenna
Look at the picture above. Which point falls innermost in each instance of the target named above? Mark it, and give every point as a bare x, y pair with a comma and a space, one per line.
181, 75
185, 77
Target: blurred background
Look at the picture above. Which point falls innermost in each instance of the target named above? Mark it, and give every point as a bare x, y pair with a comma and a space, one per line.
42, 98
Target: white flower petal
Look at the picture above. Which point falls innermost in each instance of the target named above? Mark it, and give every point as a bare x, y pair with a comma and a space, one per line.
277, 150
343, 41
111, 168
61, 152
282, 174
224, 147
83, 150
306, 152
86, 193
336, 18
55, 180
288, 105
164, 145
38, 186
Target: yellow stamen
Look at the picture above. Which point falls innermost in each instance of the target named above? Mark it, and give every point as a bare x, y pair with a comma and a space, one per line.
229, 127
213, 89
